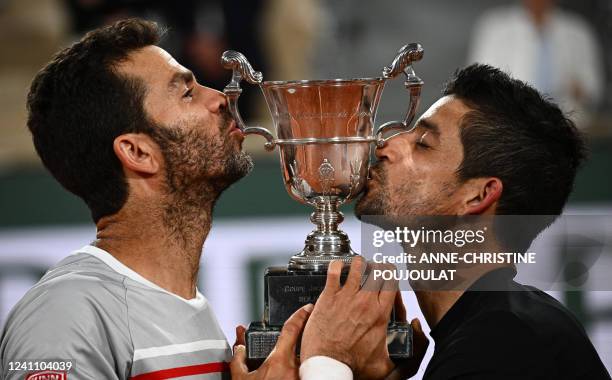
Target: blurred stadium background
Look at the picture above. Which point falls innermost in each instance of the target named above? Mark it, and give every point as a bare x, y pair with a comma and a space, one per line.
256, 222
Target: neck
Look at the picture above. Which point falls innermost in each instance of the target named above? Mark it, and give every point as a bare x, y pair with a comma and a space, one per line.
161, 243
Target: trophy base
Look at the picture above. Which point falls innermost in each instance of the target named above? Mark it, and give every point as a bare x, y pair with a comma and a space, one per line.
286, 290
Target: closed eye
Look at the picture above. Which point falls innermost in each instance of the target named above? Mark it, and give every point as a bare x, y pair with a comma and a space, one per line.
420, 143
188, 93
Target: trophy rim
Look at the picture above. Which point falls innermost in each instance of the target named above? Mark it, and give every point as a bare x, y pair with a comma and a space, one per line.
319, 82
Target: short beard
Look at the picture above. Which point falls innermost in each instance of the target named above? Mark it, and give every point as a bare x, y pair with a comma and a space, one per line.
380, 210
237, 167
198, 169
200, 163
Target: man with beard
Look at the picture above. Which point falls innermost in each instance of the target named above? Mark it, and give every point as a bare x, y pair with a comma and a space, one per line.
491, 145
118, 122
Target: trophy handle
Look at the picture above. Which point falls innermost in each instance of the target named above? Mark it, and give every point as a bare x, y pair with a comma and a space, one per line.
403, 64
242, 69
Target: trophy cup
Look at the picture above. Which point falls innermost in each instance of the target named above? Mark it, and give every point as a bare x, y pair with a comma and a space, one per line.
324, 134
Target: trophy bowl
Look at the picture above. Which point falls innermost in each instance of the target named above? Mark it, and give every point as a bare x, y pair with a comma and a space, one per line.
325, 132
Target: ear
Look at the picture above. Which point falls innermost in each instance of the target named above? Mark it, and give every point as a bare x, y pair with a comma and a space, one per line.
137, 152
484, 196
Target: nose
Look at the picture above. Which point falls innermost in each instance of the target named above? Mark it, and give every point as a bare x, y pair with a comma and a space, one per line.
380, 152
394, 149
214, 100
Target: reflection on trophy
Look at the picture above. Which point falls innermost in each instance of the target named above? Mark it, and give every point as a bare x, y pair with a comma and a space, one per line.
325, 134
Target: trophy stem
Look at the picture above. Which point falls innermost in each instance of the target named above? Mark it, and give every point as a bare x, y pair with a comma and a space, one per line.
326, 216
326, 242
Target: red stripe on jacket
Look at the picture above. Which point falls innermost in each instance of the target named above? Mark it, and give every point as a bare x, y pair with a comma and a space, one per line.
191, 370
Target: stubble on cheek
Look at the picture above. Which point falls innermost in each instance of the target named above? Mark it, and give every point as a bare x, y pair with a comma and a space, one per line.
407, 194
421, 198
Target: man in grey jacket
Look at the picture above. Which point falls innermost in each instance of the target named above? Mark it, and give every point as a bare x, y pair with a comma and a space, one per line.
122, 125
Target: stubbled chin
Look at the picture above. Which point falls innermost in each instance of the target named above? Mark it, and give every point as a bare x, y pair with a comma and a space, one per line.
368, 191
362, 204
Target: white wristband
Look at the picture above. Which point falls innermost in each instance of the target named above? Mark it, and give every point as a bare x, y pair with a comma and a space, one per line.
324, 368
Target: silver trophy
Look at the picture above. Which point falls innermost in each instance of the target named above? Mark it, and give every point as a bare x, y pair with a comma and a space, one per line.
325, 132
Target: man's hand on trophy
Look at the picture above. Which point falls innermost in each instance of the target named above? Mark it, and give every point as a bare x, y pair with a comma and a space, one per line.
282, 363
371, 353
376, 363
349, 323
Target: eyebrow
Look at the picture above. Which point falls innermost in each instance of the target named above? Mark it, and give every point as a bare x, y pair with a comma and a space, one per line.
429, 126
181, 76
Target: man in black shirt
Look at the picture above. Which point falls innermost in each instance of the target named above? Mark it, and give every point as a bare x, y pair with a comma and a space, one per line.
516, 333
491, 146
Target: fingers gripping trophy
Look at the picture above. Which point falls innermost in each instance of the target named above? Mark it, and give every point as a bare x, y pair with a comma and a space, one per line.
325, 134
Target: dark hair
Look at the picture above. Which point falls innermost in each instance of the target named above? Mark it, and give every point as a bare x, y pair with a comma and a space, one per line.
517, 135
78, 104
